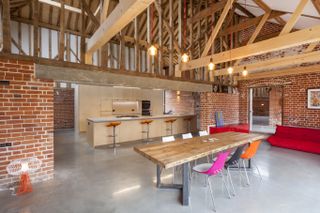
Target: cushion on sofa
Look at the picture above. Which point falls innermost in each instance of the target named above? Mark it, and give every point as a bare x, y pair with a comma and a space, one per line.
302, 139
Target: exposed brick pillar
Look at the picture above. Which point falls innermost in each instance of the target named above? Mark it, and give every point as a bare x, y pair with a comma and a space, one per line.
26, 119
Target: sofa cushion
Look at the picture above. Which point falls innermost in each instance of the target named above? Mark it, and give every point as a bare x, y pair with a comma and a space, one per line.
298, 133
307, 146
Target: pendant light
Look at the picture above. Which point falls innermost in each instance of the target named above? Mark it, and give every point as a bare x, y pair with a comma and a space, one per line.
244, 72
152, 50
184, 56
211, 65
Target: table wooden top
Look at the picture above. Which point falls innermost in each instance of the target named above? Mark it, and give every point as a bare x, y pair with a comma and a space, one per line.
181, 151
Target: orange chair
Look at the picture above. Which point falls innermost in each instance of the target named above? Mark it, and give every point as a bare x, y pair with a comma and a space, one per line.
169, 129
248, 154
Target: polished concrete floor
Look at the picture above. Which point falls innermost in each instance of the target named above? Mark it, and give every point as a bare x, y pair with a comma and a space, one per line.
88, 180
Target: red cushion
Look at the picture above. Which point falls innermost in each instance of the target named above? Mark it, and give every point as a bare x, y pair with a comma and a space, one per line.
306, 146
302, 139
234, 128
301, 133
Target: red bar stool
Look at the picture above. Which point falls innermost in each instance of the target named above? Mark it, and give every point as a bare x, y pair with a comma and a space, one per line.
147, 131
188, 120
170, 123
113, 125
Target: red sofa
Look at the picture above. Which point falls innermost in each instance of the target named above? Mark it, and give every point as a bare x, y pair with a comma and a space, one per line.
303, 139
234, 128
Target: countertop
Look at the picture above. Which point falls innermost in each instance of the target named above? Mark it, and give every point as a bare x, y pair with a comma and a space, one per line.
114, 118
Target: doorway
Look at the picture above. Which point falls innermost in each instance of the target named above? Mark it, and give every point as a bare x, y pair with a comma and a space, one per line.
265, 111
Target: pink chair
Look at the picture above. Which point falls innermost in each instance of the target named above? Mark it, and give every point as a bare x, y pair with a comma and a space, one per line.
214, 169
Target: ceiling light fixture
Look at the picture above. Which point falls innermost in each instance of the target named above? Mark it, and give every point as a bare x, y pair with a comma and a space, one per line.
230, 70
211, 65
245, 71
152, 50
184, 56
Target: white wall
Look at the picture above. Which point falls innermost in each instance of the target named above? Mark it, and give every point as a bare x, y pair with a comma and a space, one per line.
96, 101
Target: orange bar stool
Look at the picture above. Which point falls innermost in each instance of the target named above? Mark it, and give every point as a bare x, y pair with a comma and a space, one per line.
113, 125
169, 124
248, 154
188, 120
147, 130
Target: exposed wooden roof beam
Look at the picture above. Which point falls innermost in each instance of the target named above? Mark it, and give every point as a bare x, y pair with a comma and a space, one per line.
293, 39
266, 8
217, 27
249, 23
58, 4
123, 14
244, 10
316, 4
283, 72
294, 17
275, 62
208, 11
104, 10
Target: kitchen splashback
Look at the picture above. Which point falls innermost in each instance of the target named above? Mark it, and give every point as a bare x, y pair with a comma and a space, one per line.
125, 107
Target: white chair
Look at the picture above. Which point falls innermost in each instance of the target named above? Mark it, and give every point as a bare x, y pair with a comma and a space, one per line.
168, 139
203, 133
186, 136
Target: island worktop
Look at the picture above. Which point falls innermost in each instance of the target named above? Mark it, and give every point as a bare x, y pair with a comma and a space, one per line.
131, 128
114, 118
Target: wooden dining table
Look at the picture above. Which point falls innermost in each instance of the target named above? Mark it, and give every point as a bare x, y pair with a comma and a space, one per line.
183, 151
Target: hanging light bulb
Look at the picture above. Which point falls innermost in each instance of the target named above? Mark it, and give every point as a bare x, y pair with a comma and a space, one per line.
185, 57
211, 65
152, 50
245, 72
230, 70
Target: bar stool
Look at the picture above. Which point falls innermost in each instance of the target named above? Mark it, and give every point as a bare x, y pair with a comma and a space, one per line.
170, 129
147, 132
188, 120
113, 125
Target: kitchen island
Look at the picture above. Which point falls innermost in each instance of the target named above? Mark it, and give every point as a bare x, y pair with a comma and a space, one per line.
130, 128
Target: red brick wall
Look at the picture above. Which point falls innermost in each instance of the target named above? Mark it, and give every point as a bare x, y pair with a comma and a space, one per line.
26, 119
63, 108
179, 102
295, 112
213, 102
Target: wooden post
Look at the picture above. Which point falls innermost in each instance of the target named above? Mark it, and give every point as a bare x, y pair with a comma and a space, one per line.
82, 39
6, 26
160, 60
171, 71
35, 28
68, 47
122, 51
136, 45
149, 37
61, 35
50, 44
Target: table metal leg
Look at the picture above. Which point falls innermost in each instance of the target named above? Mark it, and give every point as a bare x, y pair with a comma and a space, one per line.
185, 184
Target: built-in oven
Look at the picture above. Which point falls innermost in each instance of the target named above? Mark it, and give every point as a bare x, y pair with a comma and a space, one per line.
145, 107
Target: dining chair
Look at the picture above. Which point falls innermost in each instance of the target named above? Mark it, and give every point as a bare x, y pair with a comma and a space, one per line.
203, 133
248, 154
168, 139
214, 169
234, 161
186, 136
